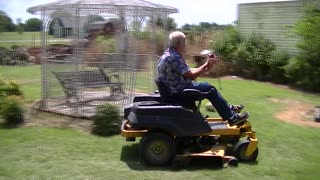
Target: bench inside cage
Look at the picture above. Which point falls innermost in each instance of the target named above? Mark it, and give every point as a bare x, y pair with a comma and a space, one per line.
75, 83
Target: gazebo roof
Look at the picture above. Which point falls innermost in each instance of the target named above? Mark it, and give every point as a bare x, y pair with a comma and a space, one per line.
130, 7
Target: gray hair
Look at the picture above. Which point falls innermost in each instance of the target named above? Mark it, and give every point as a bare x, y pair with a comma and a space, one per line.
176, 38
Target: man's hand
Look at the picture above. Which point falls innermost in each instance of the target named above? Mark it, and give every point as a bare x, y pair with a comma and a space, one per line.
196, 72
212, 59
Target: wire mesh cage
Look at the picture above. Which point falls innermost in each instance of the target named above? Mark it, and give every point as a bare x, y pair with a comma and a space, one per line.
98, 51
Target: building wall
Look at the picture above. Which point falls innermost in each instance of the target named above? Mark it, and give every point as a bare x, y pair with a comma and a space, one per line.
272, 20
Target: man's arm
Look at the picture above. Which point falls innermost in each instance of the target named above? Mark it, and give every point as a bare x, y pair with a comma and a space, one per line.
196, 72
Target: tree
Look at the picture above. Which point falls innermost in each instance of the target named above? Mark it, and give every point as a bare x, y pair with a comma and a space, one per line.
19, 26
186, 27
205, 25
33, 24
303, 70
168, 23
6, 23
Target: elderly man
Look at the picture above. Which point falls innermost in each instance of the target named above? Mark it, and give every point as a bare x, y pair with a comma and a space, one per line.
175, 73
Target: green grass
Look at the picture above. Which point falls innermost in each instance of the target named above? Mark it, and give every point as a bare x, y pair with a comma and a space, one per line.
17, 36
27, 38
287, 151
27, 76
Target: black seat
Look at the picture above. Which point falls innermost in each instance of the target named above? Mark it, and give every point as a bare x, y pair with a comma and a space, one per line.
186, 99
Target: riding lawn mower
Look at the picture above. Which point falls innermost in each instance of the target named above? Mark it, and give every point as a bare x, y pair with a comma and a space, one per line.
172, 130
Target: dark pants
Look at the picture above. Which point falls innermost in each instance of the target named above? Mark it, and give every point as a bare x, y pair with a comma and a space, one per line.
221, 105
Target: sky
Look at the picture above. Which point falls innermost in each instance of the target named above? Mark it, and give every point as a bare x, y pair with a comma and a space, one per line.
190, 11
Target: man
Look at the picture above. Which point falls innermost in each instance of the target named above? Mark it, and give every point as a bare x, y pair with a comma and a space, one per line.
174, 72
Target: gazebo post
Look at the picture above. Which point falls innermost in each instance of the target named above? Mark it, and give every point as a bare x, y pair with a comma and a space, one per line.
44, 82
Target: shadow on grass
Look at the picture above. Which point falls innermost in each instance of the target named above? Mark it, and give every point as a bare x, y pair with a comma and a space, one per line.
130, 155
9, 126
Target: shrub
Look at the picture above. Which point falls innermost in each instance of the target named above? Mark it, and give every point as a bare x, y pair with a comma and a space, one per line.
13, 57
4, 56
257, 52
252, 57
142, 35
9, 88
277, 63
12, 111
302, 74
107, 44
19, 56
303, 70
160, 39
107, 120
226, 44
10, 103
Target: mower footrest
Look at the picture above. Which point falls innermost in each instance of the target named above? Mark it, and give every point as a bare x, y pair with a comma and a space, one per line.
218, 125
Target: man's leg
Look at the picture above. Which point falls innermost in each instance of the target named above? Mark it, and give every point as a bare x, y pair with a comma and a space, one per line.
216, 99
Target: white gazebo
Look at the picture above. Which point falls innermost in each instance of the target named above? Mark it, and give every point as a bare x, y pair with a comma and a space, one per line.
107, 52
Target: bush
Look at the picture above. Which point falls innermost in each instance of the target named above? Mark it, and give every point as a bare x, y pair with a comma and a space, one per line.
107, 44
227, 43
4, 56
10, 103
15, 56
12, 111
257, 52
160, 38
302, 74
142, 35
19, 55
303, 70
252, 57
9, 88
107, 120
277, 63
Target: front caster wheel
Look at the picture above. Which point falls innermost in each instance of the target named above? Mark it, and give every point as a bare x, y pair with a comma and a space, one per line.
240, 152
157, 149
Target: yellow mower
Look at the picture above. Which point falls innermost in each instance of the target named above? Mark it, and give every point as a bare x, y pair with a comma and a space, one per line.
171, 131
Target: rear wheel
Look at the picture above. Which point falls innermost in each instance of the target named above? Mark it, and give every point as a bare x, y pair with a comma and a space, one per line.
240, 150
157, 149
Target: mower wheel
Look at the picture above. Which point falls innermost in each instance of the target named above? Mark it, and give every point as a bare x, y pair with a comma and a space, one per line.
240, 150
157, 149
233, 162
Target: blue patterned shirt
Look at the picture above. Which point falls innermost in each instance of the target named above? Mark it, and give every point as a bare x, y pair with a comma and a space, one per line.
171, 67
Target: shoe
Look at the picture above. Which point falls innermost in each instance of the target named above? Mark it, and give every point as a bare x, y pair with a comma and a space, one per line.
236, 108
238, 119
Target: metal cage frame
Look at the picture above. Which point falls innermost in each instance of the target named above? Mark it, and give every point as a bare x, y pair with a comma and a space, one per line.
75, 94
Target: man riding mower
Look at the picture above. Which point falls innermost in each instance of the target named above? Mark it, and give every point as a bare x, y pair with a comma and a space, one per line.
172, 130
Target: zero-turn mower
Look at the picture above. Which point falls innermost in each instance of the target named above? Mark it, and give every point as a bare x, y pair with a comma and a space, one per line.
171, 130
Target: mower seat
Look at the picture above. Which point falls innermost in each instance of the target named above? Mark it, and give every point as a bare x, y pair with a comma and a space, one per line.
187, 98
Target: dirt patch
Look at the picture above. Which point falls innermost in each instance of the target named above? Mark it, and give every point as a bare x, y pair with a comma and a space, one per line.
296, 112
231, 77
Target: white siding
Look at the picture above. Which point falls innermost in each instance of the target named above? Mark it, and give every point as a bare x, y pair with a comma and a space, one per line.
272, 20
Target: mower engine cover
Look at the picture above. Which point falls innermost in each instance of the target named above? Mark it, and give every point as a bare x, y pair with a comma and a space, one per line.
176, 120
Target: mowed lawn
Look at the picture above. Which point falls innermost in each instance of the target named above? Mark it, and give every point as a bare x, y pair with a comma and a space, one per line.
286, 151
29, 78
9, 39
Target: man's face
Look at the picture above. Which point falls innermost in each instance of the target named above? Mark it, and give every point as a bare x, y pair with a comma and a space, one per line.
182, 46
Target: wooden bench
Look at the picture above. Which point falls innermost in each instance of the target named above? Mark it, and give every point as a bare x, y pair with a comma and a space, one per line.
72, 81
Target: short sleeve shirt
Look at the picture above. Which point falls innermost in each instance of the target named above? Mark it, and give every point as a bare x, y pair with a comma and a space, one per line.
171, 67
